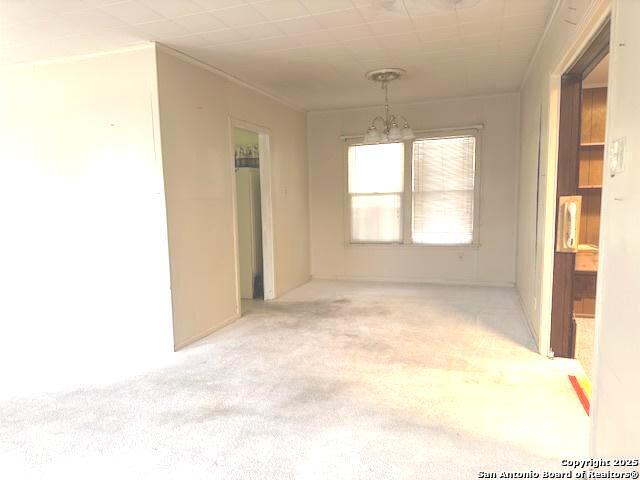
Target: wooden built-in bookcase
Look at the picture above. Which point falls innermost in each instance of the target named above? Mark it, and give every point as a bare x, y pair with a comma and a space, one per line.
592, 134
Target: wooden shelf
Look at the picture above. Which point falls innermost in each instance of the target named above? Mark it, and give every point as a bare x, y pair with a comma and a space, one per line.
589, 187
587, 258
592, 144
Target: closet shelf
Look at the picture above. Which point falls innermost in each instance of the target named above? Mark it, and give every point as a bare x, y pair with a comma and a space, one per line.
587, 258
592, 144
589, 187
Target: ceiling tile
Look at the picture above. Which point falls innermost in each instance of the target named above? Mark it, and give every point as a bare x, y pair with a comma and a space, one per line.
418, 8
185, 42
528, 20
219, 4
393, 26
518, 7
377, 13
132, 12
406, 42
323, 6
438, 34
200, 22
218, 37
351, 32
162, 29
88, 21
299, 25
315, 51
364, 47
440, 20
342, 18
67, 6
319, 37
261, 30
239, 16
482, 11
281, 9
173, 8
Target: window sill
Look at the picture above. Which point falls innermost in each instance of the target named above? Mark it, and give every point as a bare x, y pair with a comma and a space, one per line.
395, 245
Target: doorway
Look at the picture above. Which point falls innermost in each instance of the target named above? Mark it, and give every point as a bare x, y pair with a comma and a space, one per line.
253, 217
249, 212
581, 153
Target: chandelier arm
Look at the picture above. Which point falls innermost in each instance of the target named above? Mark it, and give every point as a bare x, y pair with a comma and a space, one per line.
401, 117
379, 117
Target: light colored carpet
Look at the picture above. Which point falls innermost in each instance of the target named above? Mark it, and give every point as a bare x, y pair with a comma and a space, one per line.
335, 380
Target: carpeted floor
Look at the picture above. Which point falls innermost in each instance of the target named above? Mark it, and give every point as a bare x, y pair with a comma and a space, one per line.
336, 380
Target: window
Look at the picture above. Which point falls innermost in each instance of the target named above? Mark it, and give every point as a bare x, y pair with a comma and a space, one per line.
376, 185
434, 204
443, 190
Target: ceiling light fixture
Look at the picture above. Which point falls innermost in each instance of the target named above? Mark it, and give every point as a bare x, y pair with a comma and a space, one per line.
386, 129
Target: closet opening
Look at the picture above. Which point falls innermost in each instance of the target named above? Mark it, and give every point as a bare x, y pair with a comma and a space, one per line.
254, 245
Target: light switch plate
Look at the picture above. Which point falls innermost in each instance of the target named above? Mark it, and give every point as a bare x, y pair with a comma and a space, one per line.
617, 156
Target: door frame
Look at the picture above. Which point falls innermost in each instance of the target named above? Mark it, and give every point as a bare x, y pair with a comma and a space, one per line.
594, 23
266, 207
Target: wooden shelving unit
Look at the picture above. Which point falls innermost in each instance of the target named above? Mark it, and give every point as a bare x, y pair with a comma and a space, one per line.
590, 188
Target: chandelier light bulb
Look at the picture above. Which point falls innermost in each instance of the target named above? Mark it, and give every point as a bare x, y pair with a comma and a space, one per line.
395, 133
372, 135
407, 132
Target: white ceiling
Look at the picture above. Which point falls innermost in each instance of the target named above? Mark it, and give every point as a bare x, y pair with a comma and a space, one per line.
313, 53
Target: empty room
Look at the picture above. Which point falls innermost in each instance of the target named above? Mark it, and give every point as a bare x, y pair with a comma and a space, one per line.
311, 239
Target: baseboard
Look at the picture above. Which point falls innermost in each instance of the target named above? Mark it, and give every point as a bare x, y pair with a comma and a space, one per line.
205, 333
355, 278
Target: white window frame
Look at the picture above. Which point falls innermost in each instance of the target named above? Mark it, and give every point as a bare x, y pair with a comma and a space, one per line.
406, 203
403, 199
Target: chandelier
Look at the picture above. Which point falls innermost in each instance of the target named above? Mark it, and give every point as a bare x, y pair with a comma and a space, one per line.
387, 129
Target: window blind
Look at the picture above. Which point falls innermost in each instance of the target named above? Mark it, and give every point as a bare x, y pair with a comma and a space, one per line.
376, 184
443, 190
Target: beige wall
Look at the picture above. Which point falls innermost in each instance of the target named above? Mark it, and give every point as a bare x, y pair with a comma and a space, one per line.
492, 262
196, 106
616, 418
84, 244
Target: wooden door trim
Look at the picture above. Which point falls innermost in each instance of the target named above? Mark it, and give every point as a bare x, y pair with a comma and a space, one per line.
567, 184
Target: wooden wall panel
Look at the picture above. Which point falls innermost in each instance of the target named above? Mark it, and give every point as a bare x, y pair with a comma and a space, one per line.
590, 221
584, 294
596, 161
598, 114
585, 121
